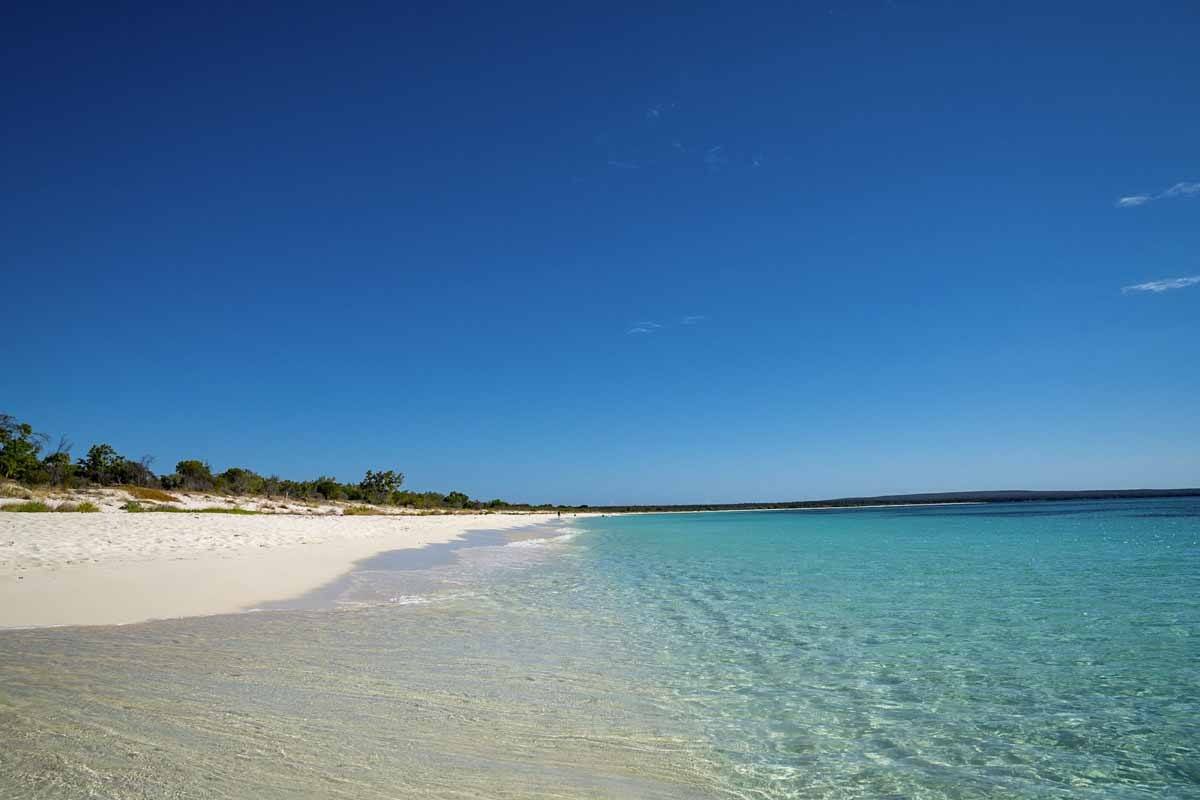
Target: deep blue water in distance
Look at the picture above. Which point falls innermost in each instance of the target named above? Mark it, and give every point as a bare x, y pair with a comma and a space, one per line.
1017, 650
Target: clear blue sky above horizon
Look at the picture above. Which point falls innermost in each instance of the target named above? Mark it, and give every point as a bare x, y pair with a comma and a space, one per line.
707, 253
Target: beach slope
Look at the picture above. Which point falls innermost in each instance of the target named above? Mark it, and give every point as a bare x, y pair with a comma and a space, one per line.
117, 568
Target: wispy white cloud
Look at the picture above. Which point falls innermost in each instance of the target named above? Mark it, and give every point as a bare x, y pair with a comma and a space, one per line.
1181, 189
624, 164
643, 327
1164, 285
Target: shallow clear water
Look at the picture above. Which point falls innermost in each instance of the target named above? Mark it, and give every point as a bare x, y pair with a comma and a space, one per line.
1015, 651
985, 651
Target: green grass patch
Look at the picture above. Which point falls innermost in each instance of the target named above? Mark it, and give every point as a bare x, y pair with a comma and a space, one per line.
135, 507
31, 507
37, 506
361, 511
83, 508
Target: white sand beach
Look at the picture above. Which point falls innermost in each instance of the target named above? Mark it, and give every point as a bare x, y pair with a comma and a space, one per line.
116, 567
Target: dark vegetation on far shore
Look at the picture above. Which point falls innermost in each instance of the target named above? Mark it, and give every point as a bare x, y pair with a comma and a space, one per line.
22, 460
1007, 496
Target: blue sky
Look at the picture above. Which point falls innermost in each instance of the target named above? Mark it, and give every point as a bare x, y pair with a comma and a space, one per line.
692, 253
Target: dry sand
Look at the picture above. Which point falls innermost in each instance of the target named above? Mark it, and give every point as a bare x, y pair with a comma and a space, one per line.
115, 567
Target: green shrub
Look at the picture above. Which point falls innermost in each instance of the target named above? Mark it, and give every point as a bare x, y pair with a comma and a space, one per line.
238, 480
329, 488
31, 506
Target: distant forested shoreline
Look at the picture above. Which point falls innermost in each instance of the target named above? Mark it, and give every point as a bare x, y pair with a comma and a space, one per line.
934, 498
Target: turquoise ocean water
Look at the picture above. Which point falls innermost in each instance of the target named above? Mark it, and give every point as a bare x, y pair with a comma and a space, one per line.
1047, 650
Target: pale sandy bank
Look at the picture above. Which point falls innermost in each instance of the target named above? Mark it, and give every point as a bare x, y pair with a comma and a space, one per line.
115, 568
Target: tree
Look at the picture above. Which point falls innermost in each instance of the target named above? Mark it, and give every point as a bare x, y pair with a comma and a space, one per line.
145, 475
100, 464
58, 468
379, 487
19, 449
136, 473
194, 475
